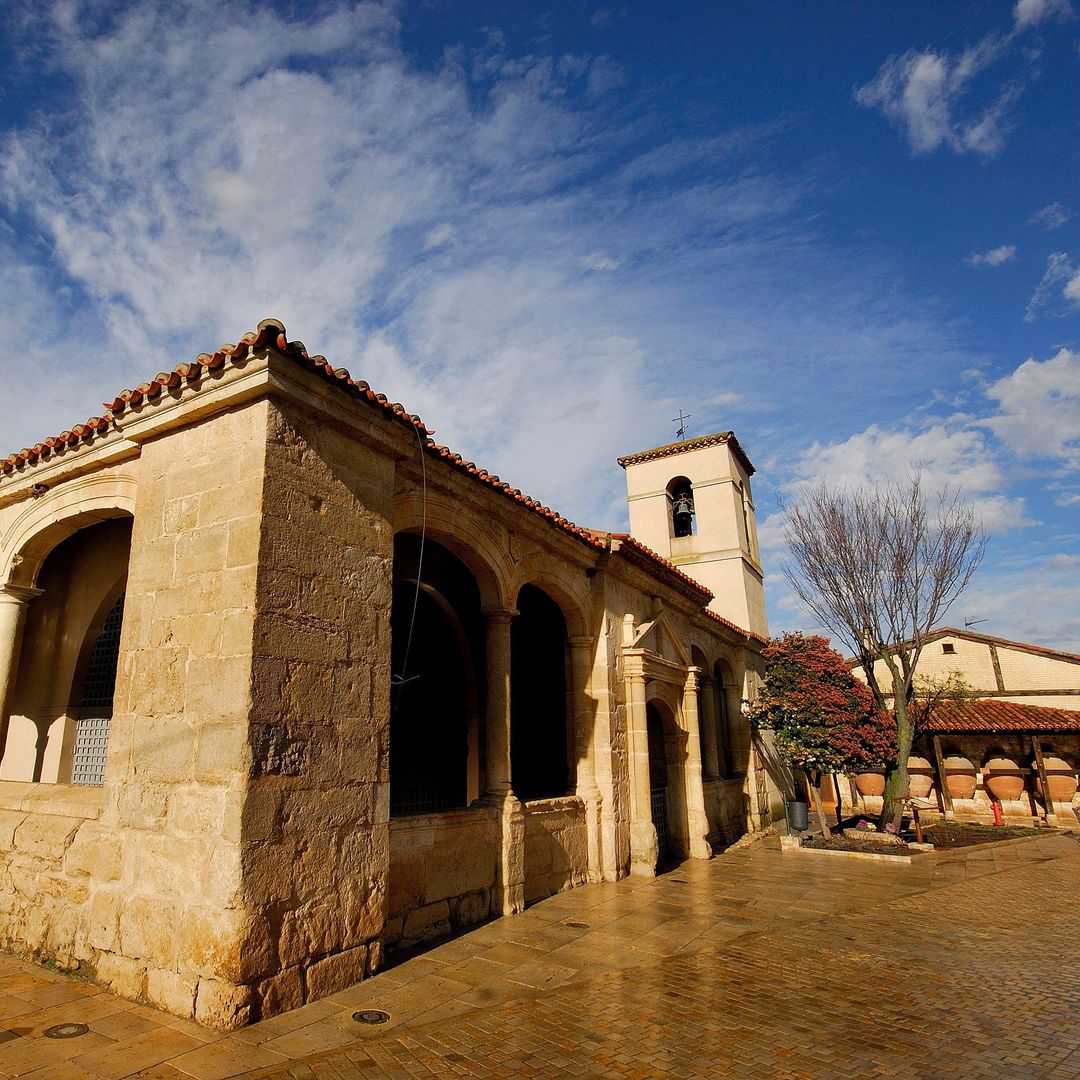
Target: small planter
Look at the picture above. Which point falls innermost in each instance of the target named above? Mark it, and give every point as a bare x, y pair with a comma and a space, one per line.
960, 777
1061, 777
921, 777
1002, 786
870, 783
798, 815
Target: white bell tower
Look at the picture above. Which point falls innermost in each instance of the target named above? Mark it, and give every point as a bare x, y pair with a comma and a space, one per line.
691, 503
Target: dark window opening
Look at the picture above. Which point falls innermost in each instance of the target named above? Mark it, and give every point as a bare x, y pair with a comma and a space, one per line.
538, 722
681, 497
437, 636
948, 647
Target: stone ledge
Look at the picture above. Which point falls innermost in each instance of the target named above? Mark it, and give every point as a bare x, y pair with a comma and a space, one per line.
60, 800
559, 804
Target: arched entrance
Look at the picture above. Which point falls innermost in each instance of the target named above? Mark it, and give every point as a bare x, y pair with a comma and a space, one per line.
61, 703
667, 790
437, 645
538, 713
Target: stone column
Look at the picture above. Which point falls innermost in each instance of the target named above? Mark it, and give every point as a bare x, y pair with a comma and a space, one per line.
584, 710
644, 847
697, 820
13, 603
508, 897
710, 752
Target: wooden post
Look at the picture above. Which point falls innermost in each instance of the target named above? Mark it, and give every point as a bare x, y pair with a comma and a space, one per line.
943, 780
1048, 802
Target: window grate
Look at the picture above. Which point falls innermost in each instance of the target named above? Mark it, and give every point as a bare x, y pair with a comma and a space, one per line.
95, 710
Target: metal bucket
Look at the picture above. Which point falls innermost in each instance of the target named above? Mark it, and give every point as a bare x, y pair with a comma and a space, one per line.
798, 815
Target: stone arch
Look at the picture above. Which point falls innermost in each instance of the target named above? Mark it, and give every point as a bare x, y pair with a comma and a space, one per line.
465, 534
732, 736
553, 576
56, 515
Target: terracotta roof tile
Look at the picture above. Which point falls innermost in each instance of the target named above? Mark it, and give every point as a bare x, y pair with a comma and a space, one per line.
994, 716
271, 335
668, 449
738, 629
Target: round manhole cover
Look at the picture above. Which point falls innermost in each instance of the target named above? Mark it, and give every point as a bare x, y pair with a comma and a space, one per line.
66, 1031
371, 1016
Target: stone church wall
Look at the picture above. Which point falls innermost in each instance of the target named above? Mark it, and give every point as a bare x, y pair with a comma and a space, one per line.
556, 847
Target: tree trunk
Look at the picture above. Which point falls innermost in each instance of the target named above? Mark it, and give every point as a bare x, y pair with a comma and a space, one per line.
815, 802
897, 785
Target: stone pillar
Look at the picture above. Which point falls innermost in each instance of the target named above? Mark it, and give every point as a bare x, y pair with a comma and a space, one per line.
508, 897
697, 820
644, 847
13, 602
584, 713
710, 752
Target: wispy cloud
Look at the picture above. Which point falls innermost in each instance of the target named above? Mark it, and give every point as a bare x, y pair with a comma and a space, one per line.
1050, 217
931, 94
994, 257
1060, 286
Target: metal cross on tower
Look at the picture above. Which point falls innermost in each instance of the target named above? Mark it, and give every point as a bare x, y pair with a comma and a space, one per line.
680, 431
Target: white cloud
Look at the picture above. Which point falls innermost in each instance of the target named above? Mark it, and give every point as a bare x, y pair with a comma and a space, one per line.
600, 262
948, 454
1056, 283
1032, 12
929, 93
994, 257
1072, 288
1050, 217
1039, 409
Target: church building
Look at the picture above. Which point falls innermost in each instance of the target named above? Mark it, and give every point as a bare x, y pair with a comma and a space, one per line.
285, 684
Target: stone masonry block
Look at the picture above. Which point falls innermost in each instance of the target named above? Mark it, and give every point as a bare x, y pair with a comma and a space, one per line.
46, 837
333, 973
148, 930
95, 852
222, 1005
122, 975
172, 992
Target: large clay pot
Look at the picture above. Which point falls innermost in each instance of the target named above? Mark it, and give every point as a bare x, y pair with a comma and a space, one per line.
920, 777
1002, 788
870, 783
1061, 777
960, 776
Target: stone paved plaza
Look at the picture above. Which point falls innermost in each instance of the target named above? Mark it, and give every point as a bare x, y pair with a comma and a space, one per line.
754, 964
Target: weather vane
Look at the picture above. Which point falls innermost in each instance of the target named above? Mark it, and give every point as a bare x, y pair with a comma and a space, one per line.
680, 431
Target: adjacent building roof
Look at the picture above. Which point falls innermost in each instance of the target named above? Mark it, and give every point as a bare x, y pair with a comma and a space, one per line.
692, 444
987, 639
992, 716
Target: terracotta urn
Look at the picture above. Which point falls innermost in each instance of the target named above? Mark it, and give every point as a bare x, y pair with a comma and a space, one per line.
960, 776
920, 777
870, 783
1061, 777
1002, 788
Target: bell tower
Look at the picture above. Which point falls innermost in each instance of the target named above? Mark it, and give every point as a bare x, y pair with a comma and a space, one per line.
691, 503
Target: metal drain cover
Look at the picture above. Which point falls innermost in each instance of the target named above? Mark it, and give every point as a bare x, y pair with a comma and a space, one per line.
66, 1031
371, 1016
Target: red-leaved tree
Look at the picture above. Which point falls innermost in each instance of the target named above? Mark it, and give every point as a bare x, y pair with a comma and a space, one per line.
822, 718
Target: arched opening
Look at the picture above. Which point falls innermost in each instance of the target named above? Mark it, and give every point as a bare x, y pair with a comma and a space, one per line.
681, 502
667, 796
436, 655
538, 712
61, 703
732, 750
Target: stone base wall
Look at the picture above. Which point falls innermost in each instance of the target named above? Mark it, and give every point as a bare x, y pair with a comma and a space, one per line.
556, 846
442, 871
726, 808
52, 852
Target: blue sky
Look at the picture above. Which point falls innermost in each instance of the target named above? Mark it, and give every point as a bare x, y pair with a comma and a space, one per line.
849, 231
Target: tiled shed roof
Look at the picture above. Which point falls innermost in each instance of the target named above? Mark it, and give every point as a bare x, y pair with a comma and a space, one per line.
1000, 717
738, 629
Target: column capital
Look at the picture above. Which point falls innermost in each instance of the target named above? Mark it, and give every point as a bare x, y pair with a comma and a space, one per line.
499, 616
18, 594
581, 641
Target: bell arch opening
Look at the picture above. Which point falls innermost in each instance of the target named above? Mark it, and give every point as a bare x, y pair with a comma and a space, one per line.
681, 506
437, 645
539, 717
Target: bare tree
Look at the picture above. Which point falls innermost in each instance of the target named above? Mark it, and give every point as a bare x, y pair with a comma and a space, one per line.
880, 568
